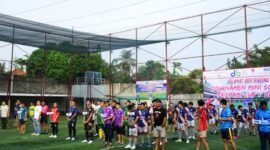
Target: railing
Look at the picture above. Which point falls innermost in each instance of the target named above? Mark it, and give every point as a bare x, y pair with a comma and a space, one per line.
87, 81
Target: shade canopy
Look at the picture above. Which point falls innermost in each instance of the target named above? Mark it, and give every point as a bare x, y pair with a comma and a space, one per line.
30, 33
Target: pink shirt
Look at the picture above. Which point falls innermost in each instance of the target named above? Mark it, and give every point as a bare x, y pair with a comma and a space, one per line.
45, 109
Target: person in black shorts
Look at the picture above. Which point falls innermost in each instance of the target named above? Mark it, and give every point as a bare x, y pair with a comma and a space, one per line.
170, 118
88, 122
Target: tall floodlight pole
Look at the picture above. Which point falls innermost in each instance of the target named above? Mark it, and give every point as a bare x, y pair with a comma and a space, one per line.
10, 78
246, 34
43, 75
166, 62
136, 48
202, 42
110, 71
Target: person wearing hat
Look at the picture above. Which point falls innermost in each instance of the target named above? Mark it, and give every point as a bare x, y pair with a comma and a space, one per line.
251, 118
107, 117
159, 122
262, 117
144, 117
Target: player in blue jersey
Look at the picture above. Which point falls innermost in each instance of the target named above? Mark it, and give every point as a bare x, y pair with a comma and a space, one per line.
226, 124
181, 118
144, 118
191, 120
72, 120
262, 117
133, 117
251, 119
243, 119
212, 115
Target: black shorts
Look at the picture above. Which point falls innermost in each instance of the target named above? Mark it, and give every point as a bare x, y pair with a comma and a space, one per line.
170, 121
120, 130
88, 126
226, 134
44, 118
22, 121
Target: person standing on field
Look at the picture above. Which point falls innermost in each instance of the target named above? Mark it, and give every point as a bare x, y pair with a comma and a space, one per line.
54, 120
4, 114
202, 126
36, 120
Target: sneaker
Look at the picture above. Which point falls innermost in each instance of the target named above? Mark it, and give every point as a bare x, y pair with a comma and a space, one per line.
33, 134
133, 147
55, 136
141, 145
189, 137
37, 134
235, 137
90, 142
193, 137
149, 145
187, 141
72, 139
153, 142
96, 134
84, 141
69, 138
178, 141
128, 146
51, 136
160, 143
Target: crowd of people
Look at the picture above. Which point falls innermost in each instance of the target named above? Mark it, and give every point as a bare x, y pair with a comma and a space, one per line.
183, 119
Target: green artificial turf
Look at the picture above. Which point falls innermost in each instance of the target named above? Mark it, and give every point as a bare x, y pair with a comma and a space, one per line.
11, 140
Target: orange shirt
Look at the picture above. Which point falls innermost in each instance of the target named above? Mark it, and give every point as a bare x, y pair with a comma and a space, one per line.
55, 115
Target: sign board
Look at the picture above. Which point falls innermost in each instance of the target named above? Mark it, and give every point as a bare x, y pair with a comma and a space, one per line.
238, 83
147, 90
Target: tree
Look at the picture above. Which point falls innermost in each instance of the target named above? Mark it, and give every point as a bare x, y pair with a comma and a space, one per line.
61, 66
123, 67
152, 71
185, 85
2, 68
176, 66
256, 58
21, 63
195, 74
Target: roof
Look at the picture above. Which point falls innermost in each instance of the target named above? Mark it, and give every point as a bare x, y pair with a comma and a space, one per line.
30, 33
18, 72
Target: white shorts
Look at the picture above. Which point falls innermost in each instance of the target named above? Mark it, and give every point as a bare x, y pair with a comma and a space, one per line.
234, 125
133, 131
212, 121
242, 124
144, 129
181, 126
159, 133
191, 123
252, 122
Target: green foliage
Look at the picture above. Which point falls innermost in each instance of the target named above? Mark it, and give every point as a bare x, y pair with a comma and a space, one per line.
2, 68
256, 58
185, 85
152, 71
61, 66
123, 67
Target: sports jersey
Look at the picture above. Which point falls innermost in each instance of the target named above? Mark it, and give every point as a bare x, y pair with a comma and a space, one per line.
251, 111
244, 114
16, 108
55, 114
119, 114
73, 110
131, 117
191, 111
106, 113
225, 113
99, 118
31, 111
263, 115
234, 113
89, 110
45, 109
22, 112
212, 113
181, 114
170, 112
144, 115
202, 116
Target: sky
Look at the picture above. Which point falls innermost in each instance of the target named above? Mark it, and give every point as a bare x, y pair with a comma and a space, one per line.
110, 16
